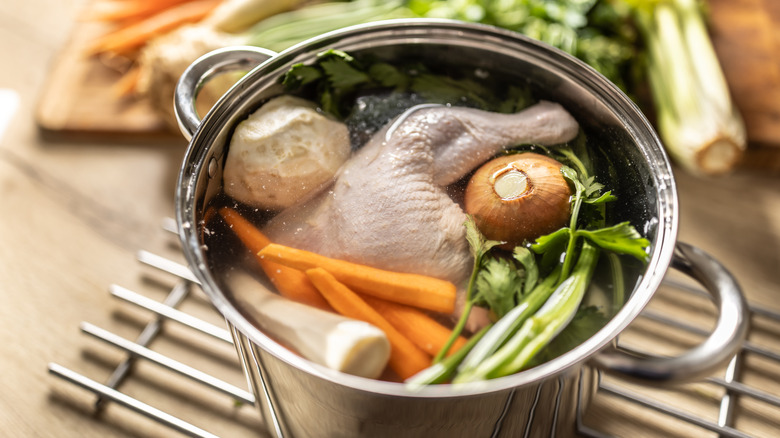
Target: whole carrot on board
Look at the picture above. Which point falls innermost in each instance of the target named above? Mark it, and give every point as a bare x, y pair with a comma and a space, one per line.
131, 37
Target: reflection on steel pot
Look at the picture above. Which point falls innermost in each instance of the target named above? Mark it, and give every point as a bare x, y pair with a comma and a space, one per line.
299, 398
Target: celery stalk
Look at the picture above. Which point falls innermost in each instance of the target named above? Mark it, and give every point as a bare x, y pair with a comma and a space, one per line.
441, 371
237, 15
286, 29
509, 324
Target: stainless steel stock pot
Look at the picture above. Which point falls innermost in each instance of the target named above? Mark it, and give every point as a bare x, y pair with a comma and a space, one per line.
301, 399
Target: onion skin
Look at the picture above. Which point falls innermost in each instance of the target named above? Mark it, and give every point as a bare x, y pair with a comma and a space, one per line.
537, 201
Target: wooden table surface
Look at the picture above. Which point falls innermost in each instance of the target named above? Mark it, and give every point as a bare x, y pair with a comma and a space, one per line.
76, 210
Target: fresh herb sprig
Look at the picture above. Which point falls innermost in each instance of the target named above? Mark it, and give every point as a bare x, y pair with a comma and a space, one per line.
336, 79
480, 248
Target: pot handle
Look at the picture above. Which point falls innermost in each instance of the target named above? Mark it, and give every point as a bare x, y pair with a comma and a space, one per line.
730, 329
204, 69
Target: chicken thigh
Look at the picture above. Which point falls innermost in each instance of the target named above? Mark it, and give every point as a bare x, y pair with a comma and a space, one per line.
388, 206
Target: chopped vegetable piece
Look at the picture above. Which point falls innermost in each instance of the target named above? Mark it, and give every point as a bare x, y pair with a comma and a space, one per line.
411, 289
283, 152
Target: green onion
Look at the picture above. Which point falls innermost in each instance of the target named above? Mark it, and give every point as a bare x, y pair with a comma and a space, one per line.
286, 29
540, 329
441, 371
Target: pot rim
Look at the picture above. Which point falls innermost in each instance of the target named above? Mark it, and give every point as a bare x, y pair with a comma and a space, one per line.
632, 118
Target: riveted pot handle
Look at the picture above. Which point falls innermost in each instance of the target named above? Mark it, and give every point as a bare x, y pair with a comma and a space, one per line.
239, 58
730, 329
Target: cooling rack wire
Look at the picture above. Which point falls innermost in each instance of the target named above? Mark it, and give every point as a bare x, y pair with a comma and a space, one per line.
730, 391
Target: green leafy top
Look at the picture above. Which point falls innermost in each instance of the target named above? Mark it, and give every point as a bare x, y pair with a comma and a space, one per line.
336, 78
597, 31
499, 285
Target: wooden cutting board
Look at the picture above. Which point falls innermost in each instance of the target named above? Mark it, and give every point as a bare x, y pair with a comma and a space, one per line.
79, 96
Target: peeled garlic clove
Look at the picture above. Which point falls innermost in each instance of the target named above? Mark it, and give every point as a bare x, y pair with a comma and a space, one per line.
516, 198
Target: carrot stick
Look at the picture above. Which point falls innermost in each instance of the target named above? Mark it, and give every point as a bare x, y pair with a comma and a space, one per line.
411, 289
137, 34
427, 333
291, 283
406, 359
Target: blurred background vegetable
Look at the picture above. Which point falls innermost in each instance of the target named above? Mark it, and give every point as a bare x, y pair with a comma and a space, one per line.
643, 46
697, 120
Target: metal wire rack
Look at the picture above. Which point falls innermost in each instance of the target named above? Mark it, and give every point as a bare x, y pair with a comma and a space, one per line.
735, 391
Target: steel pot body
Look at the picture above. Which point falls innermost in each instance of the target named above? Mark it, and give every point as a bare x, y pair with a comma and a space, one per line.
299, 398
300, 403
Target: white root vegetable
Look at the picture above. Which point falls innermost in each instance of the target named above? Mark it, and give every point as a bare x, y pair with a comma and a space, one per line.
285, 151
340, 343
163, 60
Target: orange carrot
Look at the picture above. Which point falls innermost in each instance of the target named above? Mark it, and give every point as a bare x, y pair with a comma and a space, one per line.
137, 34
250, 236
291, 283
127, 9
411, 289
406, 359
424, 331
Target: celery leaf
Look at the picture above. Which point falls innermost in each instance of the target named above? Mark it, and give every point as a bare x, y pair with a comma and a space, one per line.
621, 238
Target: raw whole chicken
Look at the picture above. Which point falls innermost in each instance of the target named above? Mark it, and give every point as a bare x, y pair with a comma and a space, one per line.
389, 207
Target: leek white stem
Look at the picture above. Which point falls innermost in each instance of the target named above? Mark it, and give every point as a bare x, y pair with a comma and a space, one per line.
697, 120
